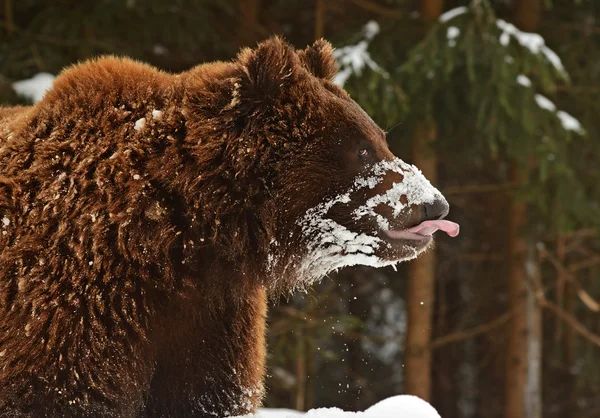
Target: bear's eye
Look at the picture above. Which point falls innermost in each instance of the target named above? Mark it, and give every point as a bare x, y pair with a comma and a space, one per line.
364, 153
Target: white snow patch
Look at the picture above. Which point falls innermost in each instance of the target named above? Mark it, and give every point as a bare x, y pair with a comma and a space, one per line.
35, 87
452, 32
276, 413
414, 186
532, 41
136, 177
5, 222
452, 13
157, 114
451, 35
569, 122
523, 80
353, 58
371, 29
404, 406
545, 103
140, 124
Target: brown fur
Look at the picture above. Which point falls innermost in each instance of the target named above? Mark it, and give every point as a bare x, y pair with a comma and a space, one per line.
132, 269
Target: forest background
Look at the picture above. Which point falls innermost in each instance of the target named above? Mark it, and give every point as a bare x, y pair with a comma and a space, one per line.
498, 102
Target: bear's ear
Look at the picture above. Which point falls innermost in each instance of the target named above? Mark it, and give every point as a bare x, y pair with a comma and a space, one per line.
318, 59
269, 68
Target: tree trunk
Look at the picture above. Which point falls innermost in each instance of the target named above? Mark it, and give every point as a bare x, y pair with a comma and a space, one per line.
569, 341
533, 385
431, 10
421, 287
249, 29
523, 354
516, 353
319, 19
527, 14
421, 273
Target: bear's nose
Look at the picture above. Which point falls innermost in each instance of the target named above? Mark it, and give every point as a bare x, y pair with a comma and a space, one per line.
438, 209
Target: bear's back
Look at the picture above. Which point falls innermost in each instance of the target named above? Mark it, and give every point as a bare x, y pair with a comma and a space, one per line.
74, 169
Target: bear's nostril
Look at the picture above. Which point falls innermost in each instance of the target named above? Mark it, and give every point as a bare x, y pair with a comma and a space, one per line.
438, 209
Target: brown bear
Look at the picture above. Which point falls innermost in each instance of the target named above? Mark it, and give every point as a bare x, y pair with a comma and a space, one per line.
145, 218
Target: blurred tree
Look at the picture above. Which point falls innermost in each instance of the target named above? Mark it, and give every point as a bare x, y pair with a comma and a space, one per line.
523, 356
421, 272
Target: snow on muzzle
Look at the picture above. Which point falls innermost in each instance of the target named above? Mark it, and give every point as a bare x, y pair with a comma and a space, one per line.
403, 202
386, 216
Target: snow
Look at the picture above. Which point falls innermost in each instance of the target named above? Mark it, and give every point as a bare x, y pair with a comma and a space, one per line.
568, 122
545, 103
451, 34
35, 87
452, 13
332, 246
532, 41
157, 114
352, 59
401, 406
5, 221
140, 124
523, 80
371, 29
414, 186
276, 413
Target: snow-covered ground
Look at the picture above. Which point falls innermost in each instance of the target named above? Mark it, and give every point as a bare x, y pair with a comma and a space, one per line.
402, 406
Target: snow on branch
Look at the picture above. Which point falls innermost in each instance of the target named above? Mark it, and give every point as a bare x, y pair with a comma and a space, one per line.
353, 58
452, 13
532, 41
568, 122
545, 103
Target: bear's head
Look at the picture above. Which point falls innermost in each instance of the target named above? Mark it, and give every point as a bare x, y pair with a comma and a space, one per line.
304, 179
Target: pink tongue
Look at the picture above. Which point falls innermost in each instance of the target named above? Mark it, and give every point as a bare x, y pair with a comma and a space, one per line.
427, 228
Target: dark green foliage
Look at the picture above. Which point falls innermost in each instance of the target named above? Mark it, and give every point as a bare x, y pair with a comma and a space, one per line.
45, 36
